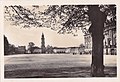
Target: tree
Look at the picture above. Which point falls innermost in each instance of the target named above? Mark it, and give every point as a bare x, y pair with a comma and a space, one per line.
81, 48
31, 47
79, 17
96, 29
11, 49
6, 46
49, 49
69, 19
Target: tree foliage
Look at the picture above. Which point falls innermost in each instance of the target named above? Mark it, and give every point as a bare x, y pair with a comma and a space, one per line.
62, 18
6, 45
31, 47
21, 16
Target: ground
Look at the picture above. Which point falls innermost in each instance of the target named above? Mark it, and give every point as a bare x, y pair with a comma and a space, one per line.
54, 65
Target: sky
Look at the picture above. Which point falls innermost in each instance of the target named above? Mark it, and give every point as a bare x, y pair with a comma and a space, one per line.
22, 36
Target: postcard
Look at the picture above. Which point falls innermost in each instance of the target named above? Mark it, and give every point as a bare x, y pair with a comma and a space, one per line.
59, 41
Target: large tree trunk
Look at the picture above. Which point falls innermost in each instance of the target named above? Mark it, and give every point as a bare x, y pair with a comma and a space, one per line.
97, 67
97, 18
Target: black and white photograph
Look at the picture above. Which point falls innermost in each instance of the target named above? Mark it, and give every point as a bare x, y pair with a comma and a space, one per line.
60, 41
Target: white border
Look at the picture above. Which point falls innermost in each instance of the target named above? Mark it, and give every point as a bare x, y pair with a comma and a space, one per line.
61, 2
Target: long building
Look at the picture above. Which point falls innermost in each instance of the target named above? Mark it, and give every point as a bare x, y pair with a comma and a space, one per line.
59, 50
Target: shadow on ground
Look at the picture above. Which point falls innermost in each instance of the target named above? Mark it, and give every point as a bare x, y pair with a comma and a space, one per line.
68, 72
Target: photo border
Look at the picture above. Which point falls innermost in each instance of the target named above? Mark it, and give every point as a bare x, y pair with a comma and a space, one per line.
61, 2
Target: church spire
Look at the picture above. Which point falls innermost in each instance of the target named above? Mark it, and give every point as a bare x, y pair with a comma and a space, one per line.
43, 43
42, 35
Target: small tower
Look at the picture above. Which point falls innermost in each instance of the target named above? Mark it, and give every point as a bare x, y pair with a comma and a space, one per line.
43, 44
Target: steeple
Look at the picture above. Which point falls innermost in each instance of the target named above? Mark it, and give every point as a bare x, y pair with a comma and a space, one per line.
43, 43
42, 35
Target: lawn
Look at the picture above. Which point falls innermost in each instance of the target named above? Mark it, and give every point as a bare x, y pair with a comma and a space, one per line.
54, 66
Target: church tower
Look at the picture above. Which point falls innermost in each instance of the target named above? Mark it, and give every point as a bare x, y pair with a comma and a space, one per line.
43, 44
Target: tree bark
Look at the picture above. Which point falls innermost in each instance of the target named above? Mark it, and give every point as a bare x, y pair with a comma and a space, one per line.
97, 67
96, 29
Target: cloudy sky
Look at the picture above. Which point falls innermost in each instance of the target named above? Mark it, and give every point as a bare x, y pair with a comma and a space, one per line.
22, 36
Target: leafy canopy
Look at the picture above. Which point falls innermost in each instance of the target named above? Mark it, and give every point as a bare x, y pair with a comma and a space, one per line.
61, 18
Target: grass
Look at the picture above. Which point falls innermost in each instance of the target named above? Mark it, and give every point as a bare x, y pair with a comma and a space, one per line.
66, 72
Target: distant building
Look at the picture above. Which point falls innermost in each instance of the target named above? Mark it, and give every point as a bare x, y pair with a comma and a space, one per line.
43, 44
88, 43
20, 50
59, 50
68, 50
74, 50
109, 41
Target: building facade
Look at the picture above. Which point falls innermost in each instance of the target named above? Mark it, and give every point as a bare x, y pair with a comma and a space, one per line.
88, 43
20, 50
59, 50
73, 50
109, 41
